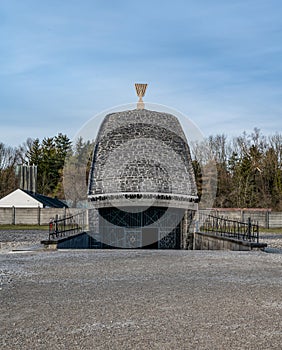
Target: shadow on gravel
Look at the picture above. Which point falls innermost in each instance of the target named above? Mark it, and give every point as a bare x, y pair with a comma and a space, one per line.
273, 250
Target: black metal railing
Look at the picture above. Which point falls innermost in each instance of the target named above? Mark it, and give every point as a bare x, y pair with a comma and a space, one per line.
66, 226
246, 231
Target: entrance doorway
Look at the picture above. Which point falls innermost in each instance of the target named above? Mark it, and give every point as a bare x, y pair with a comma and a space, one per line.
150, 238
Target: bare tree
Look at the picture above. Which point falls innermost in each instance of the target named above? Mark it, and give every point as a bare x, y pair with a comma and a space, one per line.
9, 158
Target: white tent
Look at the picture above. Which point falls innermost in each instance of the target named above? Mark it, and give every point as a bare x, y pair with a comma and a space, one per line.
20, 199
27, 199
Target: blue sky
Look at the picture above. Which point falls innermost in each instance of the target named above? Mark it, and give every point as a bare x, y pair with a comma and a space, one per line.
62, 62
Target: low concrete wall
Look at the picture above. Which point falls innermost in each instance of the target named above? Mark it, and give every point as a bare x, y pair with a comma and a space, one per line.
6, 216
41, 216
265, 217
32, 216
79, 241
208, 241
275, 220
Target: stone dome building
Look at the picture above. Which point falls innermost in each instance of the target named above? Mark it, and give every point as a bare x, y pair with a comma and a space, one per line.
142, 182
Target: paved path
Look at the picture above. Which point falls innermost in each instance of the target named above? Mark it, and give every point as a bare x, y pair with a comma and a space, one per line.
123, 299
273, 240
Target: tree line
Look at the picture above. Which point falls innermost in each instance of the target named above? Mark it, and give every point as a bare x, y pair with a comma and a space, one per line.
49, 155
249, 167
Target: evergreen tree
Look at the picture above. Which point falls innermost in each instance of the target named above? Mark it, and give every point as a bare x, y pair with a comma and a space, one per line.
49, 156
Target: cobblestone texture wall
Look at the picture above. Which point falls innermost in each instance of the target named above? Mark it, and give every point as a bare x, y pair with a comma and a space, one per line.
141, 151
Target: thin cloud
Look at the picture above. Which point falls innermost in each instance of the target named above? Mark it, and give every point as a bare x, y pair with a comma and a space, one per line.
62, 62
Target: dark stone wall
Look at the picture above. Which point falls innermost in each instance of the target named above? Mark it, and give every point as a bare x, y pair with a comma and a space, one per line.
80, 241
141, 151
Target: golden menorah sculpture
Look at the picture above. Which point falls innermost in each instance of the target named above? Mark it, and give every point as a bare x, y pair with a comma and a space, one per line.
140, 90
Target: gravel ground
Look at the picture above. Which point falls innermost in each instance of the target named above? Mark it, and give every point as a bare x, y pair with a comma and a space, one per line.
273, 240
21, 239
138, 299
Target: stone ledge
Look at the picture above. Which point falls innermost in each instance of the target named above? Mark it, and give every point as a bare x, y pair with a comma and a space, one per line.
49, 244
208, 241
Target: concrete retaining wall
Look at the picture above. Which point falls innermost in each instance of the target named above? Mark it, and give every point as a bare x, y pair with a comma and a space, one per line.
80, 241
207, 241
202, 241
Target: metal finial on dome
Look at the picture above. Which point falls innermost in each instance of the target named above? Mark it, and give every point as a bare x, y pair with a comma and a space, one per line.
140, 90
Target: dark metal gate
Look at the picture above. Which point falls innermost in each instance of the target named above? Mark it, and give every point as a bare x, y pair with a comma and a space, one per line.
224, 227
